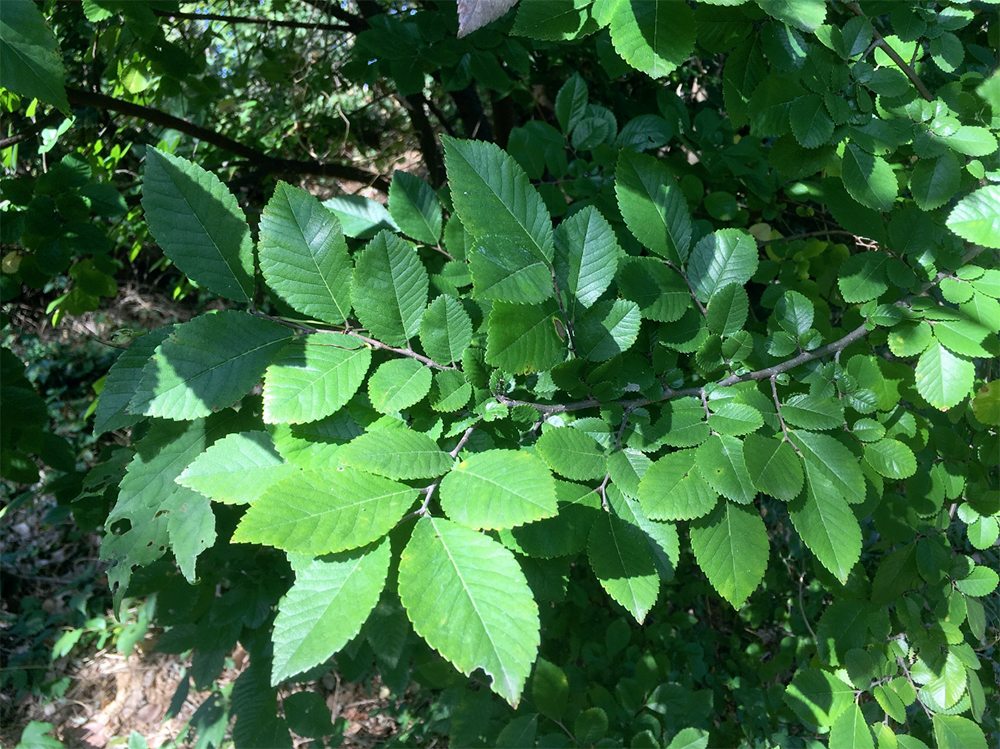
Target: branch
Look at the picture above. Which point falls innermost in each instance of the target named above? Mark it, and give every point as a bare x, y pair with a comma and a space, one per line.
357, 24
34, 129
670, 393
79, 98
259, 21
893, 55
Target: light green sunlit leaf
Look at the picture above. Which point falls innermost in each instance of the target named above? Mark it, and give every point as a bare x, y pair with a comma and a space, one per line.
732, 549
499, 489
324, 609
468, 598
313, 378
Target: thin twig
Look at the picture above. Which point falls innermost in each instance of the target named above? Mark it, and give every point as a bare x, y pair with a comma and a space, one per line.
259, 21
808, 234
374, 343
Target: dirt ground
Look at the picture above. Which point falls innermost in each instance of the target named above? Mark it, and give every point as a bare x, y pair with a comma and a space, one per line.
111, 695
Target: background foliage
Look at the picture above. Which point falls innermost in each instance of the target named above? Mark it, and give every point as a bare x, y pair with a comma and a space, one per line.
661, 410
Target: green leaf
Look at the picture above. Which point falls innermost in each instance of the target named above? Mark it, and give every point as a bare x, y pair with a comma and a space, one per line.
980, 582
948, 685
30, 63
976, 218
910, 337
148, 496
850, 730
492, 619
735, 419
450, 391
627, 468
415, 208
723, 257
124, 380
689, 738
794, 313
824, 454
806, 15
586, 256
313, 378
33, 736
199, 224
934, 182
325, 511
966, 338
445, 330
524, 338
607, 329
827, 525
651, 202
971, 141
956, 732
571, 103
731, 548
818, 697
890, 702
389, 289
654, 38
590, 726
773, 466
396, 453
398, 384
660, 292
722, 465
572, 453
562, 535
841, 634
813, 412
207, 364
308, 714
550, 690
891, 458
727, 310
237, 469
863, 277
521, 731
620, 558
674, 489
869, 179
361, 217
324, 609
552, 21
942, 378
662, 538
505, 214
499, 489
812, 126
303, 255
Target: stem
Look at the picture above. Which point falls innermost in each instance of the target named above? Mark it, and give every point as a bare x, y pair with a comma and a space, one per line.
893, 55
562, 308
